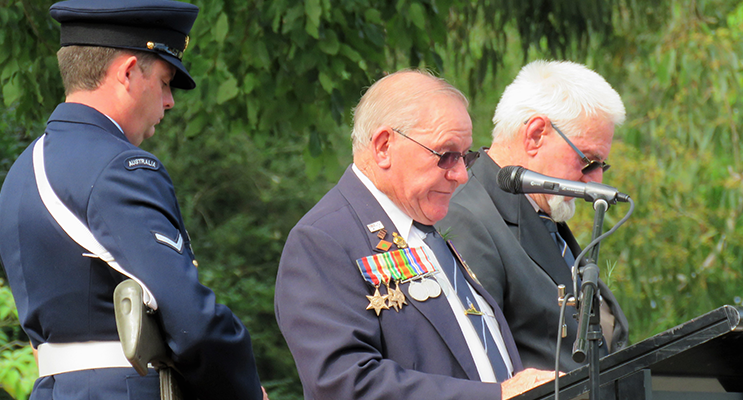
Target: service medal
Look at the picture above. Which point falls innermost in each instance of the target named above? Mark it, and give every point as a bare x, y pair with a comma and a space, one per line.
432, 287
377, 302
417, 291
396, 297
399, 266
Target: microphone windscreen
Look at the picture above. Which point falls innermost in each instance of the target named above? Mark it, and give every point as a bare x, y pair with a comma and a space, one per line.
509, 178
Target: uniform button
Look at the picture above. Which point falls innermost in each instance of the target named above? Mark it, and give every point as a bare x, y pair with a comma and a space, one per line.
195, 263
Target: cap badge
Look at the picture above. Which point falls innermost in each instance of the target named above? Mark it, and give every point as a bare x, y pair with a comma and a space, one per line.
162, 48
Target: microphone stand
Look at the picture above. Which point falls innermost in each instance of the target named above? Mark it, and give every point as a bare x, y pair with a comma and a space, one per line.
589, 333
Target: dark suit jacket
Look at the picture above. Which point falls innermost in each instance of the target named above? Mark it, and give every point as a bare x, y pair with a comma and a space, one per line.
344, 351
508, 247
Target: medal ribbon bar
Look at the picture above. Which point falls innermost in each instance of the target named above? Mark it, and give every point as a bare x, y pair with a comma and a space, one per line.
397, 265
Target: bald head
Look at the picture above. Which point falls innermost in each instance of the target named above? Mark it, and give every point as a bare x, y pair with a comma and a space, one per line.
397, 100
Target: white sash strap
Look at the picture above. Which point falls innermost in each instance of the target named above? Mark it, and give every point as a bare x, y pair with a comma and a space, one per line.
58, 358
75, 228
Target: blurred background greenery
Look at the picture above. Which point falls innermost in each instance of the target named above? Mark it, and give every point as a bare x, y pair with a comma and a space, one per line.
266, 133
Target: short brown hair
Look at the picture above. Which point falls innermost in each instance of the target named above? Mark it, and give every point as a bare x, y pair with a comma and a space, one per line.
84, 67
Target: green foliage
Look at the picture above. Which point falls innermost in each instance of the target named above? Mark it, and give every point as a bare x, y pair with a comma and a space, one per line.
265, 133
17, 365
28, 66
679, 157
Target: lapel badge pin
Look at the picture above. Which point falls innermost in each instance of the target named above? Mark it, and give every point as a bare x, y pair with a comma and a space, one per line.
383, 245
382, 233
399, 241
472, 310
375, 226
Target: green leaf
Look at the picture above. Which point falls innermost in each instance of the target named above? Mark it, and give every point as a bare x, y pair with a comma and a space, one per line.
10, 69
249, 82
313, 10
261, 58
221, 28
196, 125
227, 90
326, 82
373, 16
350, 53
329, 44
291, 20
417, 14
11, 91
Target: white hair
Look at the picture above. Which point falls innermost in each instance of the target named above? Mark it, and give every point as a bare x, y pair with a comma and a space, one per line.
396, 100
564, 91
561, 208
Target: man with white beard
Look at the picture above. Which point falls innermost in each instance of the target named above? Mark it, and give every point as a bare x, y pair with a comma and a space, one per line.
556, 119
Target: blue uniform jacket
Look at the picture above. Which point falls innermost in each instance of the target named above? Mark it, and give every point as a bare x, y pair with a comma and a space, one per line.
344, 351
125, 196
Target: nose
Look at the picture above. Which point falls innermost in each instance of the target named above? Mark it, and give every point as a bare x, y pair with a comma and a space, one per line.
168, 101
458, 173
596, 175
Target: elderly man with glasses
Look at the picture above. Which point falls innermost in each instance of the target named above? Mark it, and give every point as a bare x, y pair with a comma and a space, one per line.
372, 301
556, 119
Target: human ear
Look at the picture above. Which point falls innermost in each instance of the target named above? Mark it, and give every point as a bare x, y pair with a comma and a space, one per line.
534, 131
124, 68
380, 143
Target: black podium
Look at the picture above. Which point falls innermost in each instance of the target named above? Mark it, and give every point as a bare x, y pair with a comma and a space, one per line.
701, 359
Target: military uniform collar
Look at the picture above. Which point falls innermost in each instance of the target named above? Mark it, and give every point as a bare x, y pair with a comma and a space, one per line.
82, 114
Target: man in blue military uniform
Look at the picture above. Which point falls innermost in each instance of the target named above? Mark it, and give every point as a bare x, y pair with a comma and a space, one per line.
83, 208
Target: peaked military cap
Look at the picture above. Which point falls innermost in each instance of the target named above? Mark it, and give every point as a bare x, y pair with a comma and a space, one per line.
156, 26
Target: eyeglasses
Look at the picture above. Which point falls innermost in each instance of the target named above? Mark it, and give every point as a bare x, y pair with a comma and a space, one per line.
591, 165
447, 159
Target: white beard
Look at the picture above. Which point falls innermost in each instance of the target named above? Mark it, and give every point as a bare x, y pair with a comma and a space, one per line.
561, 208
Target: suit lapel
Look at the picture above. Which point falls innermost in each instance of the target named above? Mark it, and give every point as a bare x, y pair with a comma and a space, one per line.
368, 211
505, 331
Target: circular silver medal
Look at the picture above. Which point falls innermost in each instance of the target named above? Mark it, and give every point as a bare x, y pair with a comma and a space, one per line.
432, 287
417, 291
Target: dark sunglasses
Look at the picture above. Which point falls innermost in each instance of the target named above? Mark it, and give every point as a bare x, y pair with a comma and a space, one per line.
447, 159
591, 165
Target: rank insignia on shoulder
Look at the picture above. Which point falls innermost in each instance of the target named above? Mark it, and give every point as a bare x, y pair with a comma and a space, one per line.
133, 163
176, 244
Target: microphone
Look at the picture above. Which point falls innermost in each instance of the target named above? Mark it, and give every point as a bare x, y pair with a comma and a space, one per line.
516, 179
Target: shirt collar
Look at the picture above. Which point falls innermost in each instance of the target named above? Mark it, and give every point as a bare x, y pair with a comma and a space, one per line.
115, 123
402, 221
533, 203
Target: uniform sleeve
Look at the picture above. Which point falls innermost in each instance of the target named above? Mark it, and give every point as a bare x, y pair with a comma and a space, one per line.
474, 242
337, 344
133, 212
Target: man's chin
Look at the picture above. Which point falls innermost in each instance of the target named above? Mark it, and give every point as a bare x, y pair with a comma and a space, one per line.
561, 208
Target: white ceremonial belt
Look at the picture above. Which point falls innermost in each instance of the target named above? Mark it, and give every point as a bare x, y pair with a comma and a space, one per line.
58, 358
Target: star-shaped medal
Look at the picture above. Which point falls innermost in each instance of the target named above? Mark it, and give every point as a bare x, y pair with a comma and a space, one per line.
397, 297
377, 302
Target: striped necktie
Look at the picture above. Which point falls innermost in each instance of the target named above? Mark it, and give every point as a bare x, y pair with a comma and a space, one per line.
567, 255
449, 265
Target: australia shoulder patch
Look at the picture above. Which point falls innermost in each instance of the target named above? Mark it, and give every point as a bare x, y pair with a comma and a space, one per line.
138, 162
